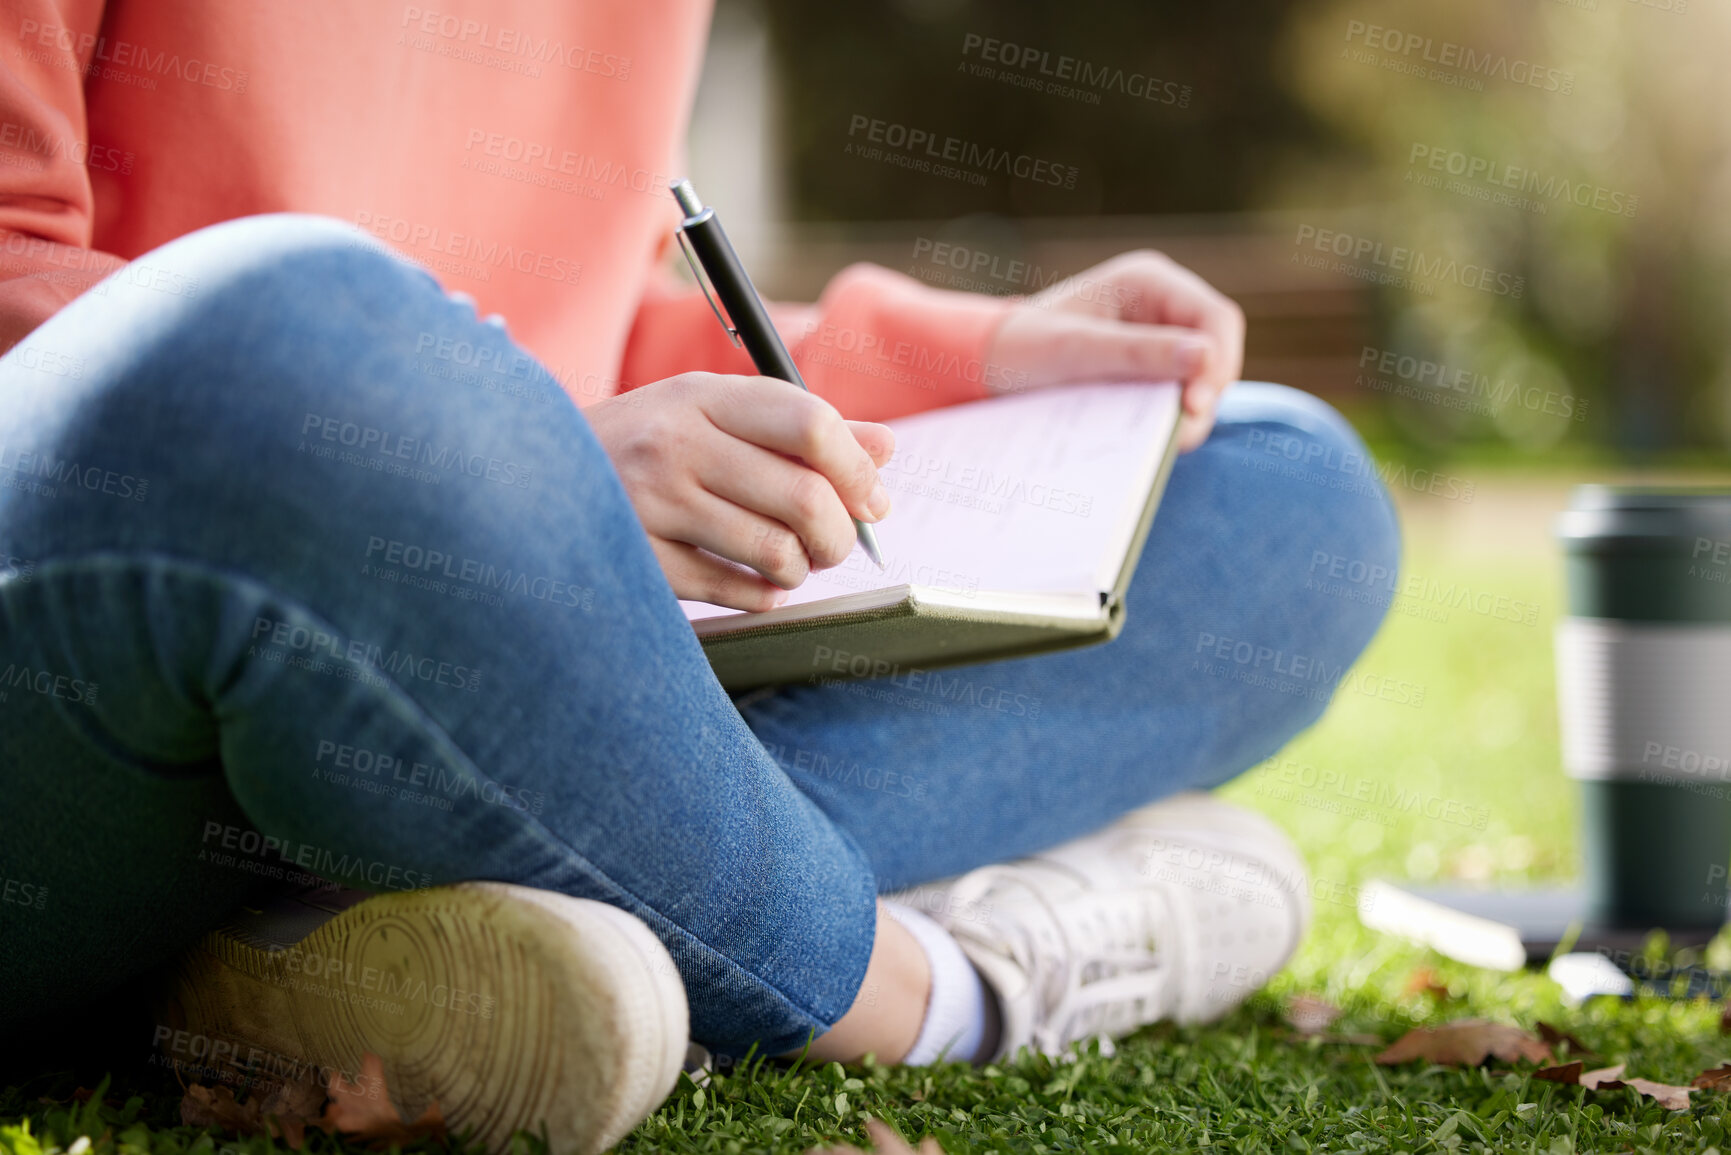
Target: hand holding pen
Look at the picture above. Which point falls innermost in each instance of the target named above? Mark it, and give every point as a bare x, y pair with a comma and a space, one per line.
744, 485
751, 325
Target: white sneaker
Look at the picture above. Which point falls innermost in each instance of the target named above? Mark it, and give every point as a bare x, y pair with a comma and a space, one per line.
1178, 911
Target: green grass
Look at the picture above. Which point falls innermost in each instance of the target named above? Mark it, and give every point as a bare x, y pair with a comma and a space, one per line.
1482, 744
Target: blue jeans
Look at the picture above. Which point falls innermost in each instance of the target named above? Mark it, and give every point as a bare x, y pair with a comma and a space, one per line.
306, 569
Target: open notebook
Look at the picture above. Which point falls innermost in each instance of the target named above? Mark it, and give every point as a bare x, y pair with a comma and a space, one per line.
1016, 527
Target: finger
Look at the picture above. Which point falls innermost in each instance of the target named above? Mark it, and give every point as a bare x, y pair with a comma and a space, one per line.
1060, 347
1159, 291
1202, 396
739, 535
785, 418
784, 491
1193, 430
879, 441
697, 576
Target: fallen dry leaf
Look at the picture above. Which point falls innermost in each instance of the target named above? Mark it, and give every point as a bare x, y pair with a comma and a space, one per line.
1424, 981
1717, 1079
1310, 1016
1553, 1036
884, 1141
203, 1106
1665, 1094
362, 1113
289, 1107
282, 1112
1611, 1079
1466, 1043
1569, 1073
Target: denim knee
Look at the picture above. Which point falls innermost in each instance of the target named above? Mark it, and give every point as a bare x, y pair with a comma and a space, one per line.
211, 263
1295, 413
1296, 439
273, 373
207, 261
291, 288
228, 320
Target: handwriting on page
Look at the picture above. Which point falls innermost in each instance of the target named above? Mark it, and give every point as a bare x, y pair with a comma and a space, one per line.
1033, 493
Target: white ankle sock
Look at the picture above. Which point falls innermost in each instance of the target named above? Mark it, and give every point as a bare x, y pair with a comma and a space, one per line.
955, 1021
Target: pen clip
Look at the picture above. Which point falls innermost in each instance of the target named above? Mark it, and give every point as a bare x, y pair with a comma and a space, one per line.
685, 247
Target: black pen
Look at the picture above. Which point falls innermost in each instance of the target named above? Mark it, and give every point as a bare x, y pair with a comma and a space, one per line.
751, 325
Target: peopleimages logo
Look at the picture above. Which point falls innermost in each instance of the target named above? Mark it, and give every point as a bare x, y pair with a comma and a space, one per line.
437, 563
370, 441
1029, 59
48, 683
19, 893
1463, 388
65, 472
1369, 259
543, 160
100, 50
305, 647
1460, 57
247, 849
1537, 188
30, 139
481, 256
516, 42
1382, 795
876, 355
930, 145
1374, 584
346, 761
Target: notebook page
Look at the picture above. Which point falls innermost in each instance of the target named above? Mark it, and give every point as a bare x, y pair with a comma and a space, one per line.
1033, 493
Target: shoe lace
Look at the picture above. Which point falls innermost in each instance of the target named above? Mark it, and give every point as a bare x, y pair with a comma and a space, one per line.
1105, 964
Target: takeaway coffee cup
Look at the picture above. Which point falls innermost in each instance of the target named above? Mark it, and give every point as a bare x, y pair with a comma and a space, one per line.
1644, 697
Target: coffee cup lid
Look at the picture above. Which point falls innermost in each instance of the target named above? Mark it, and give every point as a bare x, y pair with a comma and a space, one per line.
1598, 512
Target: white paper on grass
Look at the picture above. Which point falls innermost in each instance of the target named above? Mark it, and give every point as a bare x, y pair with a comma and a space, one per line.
1036, 493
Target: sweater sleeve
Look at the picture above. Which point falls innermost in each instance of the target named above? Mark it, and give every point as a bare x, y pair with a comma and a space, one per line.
46, 206
877, 344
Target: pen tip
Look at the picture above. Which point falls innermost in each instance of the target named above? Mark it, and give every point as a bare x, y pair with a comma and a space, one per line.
868, 541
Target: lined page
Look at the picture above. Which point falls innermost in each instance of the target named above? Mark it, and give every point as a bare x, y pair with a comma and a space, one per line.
1032, 493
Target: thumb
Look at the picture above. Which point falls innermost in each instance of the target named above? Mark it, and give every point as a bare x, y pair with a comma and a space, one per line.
1050, 348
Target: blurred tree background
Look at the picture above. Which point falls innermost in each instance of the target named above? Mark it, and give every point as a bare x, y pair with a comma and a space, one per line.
1603, 192
904, 62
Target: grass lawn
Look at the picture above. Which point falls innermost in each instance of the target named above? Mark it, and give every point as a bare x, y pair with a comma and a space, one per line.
1481, 743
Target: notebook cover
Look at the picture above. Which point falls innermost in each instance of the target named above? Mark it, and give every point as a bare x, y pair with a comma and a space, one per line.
892, 641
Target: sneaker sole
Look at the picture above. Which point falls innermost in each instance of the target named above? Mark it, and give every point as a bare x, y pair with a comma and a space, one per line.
513, 1008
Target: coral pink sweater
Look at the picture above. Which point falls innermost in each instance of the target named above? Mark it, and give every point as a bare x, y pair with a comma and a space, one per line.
520, 149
